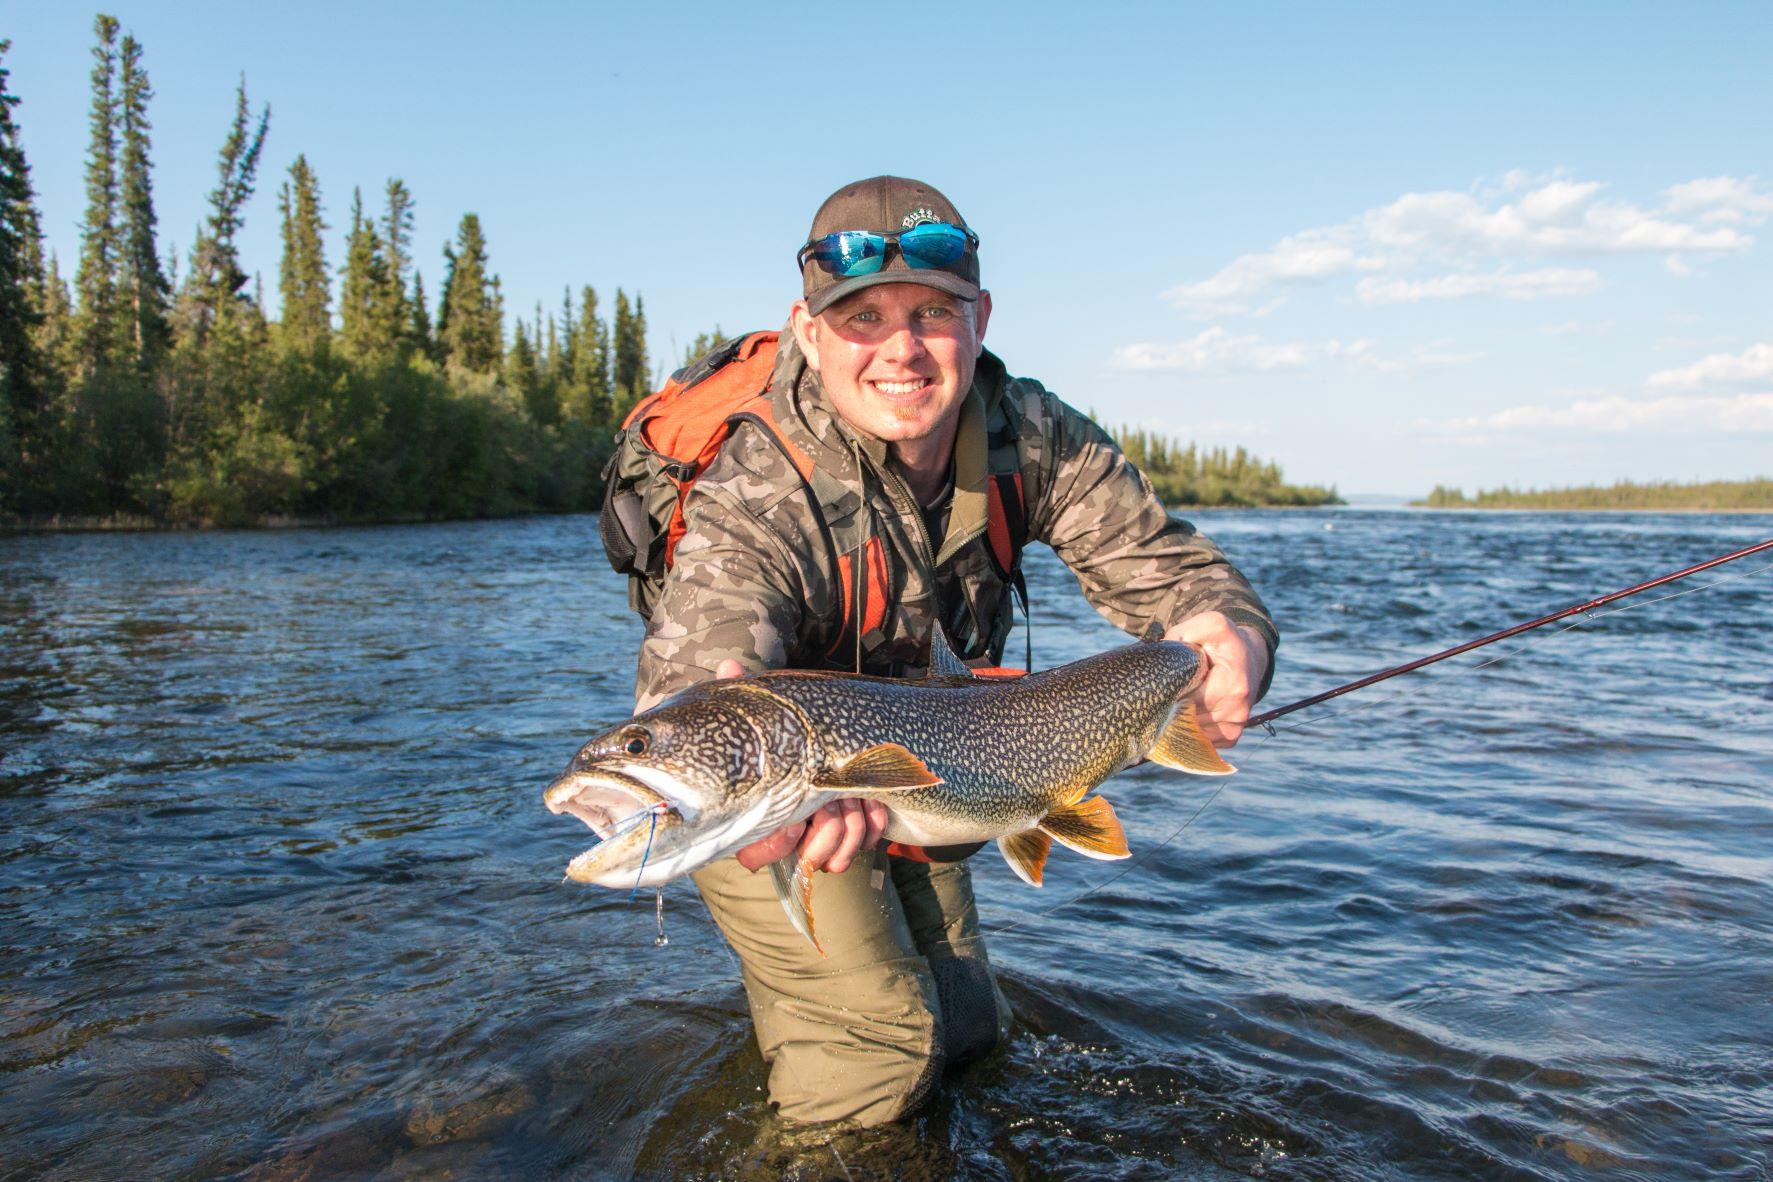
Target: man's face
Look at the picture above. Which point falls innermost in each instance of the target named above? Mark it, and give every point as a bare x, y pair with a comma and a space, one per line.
896, 359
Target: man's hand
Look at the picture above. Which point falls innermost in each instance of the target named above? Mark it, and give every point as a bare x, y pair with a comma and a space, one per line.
827, 840
1237, 660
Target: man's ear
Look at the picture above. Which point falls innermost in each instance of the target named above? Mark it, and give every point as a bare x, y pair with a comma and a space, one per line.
981, 314
806, 333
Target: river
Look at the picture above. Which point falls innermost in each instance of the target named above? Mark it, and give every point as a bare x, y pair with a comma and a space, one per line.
279, 899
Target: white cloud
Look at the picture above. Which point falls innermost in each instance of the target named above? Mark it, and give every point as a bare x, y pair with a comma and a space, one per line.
1315, 254
1514, 285
1457, 232
1217, 351
1722, 199
1753, 364
1682, 414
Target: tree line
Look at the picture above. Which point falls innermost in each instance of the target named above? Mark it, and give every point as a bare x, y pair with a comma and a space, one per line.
140, 394
1726, 495
1184, 474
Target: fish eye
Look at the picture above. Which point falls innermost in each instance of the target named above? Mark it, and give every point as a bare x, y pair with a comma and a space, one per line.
637, 743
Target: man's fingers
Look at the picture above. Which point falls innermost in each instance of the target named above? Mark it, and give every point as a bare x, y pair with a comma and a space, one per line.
729, 668
855, 828
876, 815
824, 833
777, 845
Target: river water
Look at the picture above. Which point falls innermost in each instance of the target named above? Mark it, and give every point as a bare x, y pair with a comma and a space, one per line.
279, 899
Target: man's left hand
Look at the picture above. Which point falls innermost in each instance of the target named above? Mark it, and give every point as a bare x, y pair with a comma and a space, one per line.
1237, 660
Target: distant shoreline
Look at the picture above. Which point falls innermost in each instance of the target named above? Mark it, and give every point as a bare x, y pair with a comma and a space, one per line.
120, 525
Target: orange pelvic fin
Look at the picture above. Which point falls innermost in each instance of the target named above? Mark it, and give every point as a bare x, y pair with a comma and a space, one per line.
1026, 852
1088, 826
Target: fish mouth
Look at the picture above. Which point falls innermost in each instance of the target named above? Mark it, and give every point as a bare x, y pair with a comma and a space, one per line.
621, 810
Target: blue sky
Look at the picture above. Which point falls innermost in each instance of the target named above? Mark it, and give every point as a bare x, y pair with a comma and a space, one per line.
1388, 246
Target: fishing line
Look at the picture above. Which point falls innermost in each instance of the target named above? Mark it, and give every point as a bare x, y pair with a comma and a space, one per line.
651, 824
1542, 637
1588, 616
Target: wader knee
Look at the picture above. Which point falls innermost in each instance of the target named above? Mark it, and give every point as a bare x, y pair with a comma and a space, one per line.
944, 920
853, 1035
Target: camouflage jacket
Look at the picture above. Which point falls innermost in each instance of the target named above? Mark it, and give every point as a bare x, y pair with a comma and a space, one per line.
755, 577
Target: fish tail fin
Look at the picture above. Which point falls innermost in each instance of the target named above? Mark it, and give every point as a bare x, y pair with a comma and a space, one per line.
1026, 852
1184, 747
794, 887
1088, 826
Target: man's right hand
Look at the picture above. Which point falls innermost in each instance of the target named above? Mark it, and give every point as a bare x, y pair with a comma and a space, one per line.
827, 840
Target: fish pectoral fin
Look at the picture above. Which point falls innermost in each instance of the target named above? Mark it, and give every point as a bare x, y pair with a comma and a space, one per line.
1088, 826
883, 768
794, 887
1185, 747
1026, 852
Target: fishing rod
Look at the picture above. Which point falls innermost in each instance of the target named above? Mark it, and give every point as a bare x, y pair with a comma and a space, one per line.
1269, 716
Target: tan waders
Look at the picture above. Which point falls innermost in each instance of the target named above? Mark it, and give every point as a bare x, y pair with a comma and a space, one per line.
905, 989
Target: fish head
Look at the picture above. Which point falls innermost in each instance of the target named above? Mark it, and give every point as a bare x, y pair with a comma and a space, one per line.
705, 773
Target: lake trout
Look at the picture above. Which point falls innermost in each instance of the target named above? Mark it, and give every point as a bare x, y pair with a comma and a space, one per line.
954, 757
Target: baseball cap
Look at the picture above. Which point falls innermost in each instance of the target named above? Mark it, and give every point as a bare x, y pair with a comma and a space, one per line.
886, 205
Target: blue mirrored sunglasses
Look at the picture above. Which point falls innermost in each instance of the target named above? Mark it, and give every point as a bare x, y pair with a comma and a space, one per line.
849, 253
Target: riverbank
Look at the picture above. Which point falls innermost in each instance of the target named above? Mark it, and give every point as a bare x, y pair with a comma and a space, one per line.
1754, 495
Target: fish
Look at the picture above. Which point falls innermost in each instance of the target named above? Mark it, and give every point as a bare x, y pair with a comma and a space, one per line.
955, 758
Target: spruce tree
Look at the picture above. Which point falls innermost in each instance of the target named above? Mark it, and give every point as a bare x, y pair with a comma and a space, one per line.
23, 372
397, 241
302, 280
101, 251
522, 376
145, 290
212, 289
418, 324
470, 326
631, 379
369, 327
589, 401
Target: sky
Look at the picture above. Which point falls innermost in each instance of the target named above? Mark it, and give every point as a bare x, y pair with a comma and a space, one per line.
1388, 246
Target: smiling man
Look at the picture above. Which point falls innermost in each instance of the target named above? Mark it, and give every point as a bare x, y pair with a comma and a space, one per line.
922, 468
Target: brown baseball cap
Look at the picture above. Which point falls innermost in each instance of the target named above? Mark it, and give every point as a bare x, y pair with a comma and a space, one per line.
887, 205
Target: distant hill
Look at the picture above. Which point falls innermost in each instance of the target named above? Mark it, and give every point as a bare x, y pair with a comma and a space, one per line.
1184, 474
1714, 495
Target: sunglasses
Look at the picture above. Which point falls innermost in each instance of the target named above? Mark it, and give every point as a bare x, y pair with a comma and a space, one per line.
849, 253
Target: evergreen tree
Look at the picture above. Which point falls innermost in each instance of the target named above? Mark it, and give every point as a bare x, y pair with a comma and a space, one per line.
212, 289
470, 326
704, 344
397, 240
302, 278
418, 324
24, 376
100, 248
369, 314
631, 369
145, 290
523, 377
586, 399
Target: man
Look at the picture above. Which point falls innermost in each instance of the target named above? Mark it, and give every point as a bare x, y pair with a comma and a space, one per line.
883, 382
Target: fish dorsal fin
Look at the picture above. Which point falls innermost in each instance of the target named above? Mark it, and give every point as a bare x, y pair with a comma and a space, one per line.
943, 661
794, 886
1184, 747
882, 768
1088, 826
1026, 852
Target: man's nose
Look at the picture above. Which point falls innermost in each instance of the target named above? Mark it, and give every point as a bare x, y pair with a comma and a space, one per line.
905, 344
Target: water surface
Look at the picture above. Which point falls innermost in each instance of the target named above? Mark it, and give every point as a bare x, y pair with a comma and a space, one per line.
279, 900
